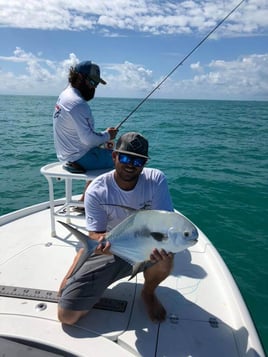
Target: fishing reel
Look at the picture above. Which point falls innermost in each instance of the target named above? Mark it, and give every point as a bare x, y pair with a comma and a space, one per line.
109, 145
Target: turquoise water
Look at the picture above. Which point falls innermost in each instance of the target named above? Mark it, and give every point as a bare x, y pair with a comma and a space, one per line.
214, 153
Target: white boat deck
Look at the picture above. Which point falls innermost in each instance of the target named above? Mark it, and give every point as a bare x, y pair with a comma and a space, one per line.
206, 314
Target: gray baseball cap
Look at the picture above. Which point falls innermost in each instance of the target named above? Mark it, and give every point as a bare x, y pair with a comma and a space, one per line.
133, 144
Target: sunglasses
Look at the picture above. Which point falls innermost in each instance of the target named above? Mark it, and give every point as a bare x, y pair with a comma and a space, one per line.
131, 160
92, 82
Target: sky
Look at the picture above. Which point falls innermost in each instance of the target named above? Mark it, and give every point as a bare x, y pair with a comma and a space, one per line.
137, 43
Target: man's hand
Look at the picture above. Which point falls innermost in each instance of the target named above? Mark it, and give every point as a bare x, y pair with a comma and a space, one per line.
112, 132
157, 255
103, 247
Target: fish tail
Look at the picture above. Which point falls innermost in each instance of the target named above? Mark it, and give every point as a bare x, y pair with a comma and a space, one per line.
89, 246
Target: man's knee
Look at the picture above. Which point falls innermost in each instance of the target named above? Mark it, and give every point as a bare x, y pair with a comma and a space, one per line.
70, 317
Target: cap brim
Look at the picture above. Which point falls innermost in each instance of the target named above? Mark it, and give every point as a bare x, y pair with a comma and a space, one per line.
102, 81
97, 79
132, 153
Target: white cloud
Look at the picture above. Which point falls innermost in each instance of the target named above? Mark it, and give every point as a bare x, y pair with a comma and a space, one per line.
243, 78
39, 75
196, 67
129, 76
31, 73
148, 16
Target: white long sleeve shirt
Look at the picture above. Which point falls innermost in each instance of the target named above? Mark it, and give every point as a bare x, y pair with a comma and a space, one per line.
73, 126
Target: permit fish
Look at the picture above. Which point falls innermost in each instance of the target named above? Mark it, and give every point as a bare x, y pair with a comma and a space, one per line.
139, 234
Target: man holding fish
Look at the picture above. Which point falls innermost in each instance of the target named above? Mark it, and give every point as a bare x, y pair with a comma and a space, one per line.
109, 199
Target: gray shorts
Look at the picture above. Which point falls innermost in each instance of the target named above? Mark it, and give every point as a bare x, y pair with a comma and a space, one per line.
84, 289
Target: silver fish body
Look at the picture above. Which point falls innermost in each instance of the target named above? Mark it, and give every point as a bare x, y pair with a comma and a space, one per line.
139, 234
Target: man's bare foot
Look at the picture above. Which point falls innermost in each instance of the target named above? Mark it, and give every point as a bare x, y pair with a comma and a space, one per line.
156, 310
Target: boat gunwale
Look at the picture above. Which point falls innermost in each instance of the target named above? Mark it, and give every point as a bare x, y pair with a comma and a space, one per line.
26, 211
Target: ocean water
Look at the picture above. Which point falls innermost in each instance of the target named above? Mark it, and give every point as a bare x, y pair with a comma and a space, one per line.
215, 156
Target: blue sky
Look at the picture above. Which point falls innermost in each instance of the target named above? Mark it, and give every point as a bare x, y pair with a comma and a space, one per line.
136, 43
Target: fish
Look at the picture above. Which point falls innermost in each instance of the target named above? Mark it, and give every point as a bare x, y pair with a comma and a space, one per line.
135, 238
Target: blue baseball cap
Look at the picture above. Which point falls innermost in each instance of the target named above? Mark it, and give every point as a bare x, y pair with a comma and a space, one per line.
92, 70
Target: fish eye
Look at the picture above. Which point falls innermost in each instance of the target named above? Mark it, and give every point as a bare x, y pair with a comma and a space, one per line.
186, 234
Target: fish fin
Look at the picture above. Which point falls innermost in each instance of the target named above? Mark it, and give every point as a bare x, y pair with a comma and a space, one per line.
83, 238
88, 245
139, 267
158, 236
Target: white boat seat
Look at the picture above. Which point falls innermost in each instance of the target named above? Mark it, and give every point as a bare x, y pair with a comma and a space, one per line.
55, 171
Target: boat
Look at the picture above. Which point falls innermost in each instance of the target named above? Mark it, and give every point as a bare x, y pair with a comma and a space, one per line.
206, 314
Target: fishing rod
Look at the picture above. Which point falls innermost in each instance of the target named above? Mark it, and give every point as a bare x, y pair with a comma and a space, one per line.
180, 63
